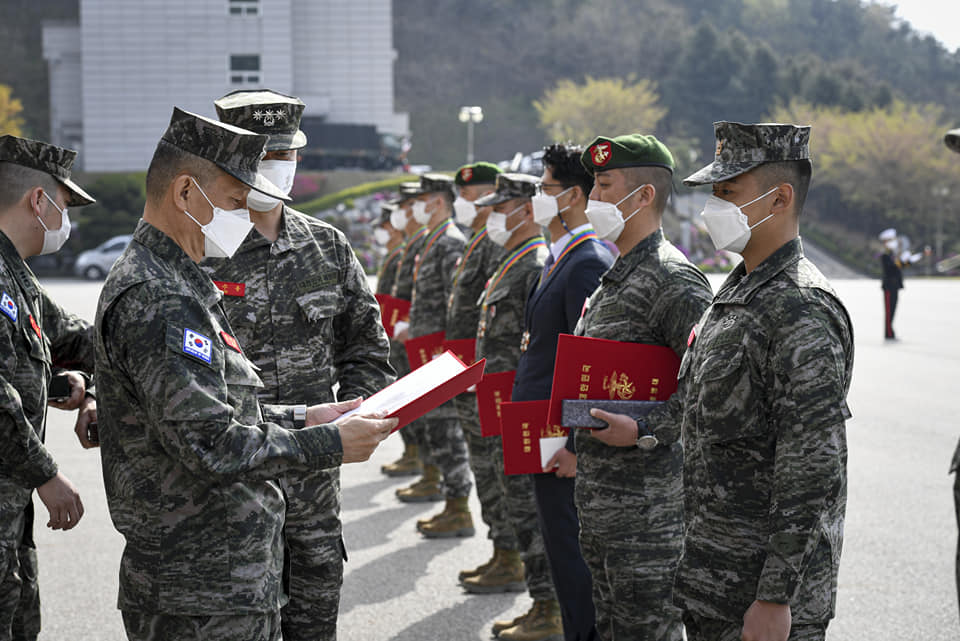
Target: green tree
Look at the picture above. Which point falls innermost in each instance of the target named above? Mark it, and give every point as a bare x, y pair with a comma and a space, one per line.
120, 200
10, 108
599, 106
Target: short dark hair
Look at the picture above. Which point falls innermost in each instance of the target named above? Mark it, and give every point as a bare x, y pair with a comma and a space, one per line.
796, 172
170, 161
660, 177
563, 161
16, 180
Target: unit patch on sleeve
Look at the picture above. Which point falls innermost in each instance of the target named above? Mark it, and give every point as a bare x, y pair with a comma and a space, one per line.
196, 344
8, 307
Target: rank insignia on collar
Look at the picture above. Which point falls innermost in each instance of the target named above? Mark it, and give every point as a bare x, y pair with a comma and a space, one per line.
197, 345
230, 341
36, 327
693, 335
729, 321
8, 307
231, 289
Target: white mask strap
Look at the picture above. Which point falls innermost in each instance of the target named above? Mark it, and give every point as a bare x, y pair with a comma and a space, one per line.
202, 193
772, 189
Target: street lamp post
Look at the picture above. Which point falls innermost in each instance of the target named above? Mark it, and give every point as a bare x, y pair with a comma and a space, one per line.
470, 115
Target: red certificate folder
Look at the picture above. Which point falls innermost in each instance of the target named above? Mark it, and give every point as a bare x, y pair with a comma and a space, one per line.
392, 309
492, 391
423, 389
524, 424
463, 348
423, 349
596, 368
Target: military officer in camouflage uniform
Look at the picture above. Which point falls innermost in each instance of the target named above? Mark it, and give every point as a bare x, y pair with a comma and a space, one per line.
36, 334
409, 464
393, 241
763, 389
630, 500
299, 303
499, 336
479, 261
189, 453
952, 140
442, 436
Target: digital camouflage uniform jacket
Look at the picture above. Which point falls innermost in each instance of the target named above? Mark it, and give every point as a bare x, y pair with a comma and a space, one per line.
469, 280
402, 286
433, 278
651, 295
388, 270
764, 388
189, 455
34, 334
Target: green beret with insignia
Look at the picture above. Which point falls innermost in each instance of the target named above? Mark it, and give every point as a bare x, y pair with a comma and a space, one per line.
741, 148
510, 186
631, 150
236, 151
265, 112
479, 173
952, 140
50, 159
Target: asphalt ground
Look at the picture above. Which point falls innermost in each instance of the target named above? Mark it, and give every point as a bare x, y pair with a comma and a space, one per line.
896, 575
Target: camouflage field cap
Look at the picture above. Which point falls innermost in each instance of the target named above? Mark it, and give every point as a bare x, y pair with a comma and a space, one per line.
47, 158
741, 147
436, 184
510, 186
265, 112
952, 140
631, 150
234, 150
479, 173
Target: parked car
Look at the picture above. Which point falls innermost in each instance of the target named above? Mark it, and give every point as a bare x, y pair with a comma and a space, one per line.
94, 264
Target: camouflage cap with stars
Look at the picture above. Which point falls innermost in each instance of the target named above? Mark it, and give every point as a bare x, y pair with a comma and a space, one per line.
741, 148
236, 151
267, 112
50, 159
479, 173
510, 186
952, 140
630, 150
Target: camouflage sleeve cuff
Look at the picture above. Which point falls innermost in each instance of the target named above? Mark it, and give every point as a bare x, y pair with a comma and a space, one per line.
42, 469
321, 445
282, 415
665, 420
779, 583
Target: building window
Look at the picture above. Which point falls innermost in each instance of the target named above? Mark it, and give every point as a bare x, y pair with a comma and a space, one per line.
243, 7
245, 69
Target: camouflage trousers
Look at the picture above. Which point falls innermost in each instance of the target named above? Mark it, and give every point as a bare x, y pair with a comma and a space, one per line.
700, 629
313, 548
446, 448
19, 594
633, 585
521, 506
141, 626
483, 462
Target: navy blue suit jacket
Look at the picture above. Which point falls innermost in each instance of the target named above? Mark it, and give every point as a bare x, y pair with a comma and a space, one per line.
554, 309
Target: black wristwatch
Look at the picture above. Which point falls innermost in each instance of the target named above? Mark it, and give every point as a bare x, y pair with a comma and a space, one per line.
645, 438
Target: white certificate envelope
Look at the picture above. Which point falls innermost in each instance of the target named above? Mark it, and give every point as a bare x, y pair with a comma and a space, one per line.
550, 446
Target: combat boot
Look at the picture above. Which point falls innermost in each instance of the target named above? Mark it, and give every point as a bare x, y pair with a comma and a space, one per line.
505, 575
542, 623
480, 569
426, 489
455, 520
502, 624
407, 465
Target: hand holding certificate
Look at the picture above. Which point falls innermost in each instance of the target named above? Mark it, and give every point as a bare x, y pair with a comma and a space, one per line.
422, 390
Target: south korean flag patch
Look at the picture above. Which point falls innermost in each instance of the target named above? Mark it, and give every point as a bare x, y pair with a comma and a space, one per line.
8, 307
197, 345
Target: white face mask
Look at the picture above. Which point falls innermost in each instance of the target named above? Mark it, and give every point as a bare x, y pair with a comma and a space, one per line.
381, 236
727, 224
280, 173
497, 226
607, 219
398, 219
225, 231
464, 211
545, 207
53, 239
420, 213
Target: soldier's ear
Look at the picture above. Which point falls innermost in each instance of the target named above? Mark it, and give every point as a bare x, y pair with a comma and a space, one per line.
180, 189
783, 199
